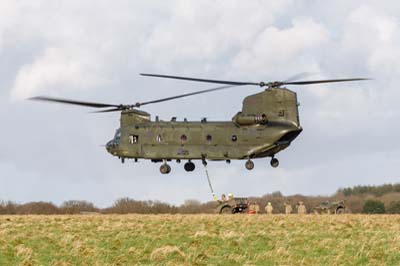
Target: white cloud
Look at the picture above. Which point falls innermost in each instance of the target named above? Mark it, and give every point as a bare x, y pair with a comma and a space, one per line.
58, 68
8, 10
203, 32
276, 48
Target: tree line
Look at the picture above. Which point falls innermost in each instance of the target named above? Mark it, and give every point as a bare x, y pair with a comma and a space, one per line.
377, 191
358, 199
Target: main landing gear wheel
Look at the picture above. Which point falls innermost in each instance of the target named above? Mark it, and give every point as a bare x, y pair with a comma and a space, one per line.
249, 165
189, 166
165, 169
274, 163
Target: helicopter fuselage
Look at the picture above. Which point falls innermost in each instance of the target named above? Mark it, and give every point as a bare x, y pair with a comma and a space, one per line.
267, 124
201, 140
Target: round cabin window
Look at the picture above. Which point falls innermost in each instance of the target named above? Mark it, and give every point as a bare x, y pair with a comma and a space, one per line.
183, 138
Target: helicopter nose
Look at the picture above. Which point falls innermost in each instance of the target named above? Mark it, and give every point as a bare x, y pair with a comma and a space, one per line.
109, 146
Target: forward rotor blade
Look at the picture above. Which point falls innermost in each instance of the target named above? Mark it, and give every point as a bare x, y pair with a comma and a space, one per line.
109, 110
321, 81
227, 82
186, 95
66, 101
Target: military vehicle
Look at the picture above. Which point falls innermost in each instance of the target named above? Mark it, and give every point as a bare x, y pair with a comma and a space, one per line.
232, 206
328, 207
267, 124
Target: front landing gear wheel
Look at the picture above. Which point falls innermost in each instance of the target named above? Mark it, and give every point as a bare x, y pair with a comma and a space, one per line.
274, 163
189, 166
249, 165
165, 169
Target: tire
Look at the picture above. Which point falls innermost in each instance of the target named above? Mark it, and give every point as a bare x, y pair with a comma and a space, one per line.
165, 169
189, 167
168, 169
249, 165
226, 210
340, 210
274, 162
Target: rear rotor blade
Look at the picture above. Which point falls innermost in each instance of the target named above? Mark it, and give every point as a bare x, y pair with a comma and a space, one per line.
66, 101
227, 82
261, 84
321, 81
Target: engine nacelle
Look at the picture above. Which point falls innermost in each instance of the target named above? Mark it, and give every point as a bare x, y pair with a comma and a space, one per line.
248, 120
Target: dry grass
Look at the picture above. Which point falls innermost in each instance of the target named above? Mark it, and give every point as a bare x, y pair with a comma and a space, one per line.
200, 240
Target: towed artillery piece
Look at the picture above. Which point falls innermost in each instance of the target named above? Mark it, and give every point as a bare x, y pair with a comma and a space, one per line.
233, 205
328, 207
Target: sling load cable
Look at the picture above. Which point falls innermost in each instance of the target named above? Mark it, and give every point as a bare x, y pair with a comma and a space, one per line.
209, 181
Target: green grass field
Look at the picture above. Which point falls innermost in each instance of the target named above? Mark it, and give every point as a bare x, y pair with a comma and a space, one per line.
200, 240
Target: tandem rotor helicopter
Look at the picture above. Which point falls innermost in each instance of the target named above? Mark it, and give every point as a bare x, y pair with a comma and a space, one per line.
266, 125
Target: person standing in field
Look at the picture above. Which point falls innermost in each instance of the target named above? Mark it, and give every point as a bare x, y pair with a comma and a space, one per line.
254, 208
288, 208
301, 208
230, 197
223, 198
269, 208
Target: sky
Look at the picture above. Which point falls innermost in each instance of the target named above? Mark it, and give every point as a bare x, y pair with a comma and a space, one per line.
94, 50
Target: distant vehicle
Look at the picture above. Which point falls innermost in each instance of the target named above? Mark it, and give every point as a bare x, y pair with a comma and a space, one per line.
232, 206
334, 207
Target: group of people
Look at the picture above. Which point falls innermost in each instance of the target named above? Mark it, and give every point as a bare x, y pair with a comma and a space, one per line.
255, 208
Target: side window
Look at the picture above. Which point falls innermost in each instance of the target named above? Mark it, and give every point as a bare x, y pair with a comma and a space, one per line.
183, 138
133, 139
117, 137
234, 138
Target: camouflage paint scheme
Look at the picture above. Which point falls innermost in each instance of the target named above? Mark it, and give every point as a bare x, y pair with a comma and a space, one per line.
267, 124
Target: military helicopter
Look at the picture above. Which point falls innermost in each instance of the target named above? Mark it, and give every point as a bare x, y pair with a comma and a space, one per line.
266, 125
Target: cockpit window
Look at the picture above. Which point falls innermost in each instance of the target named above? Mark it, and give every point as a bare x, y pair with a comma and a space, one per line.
117, 137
